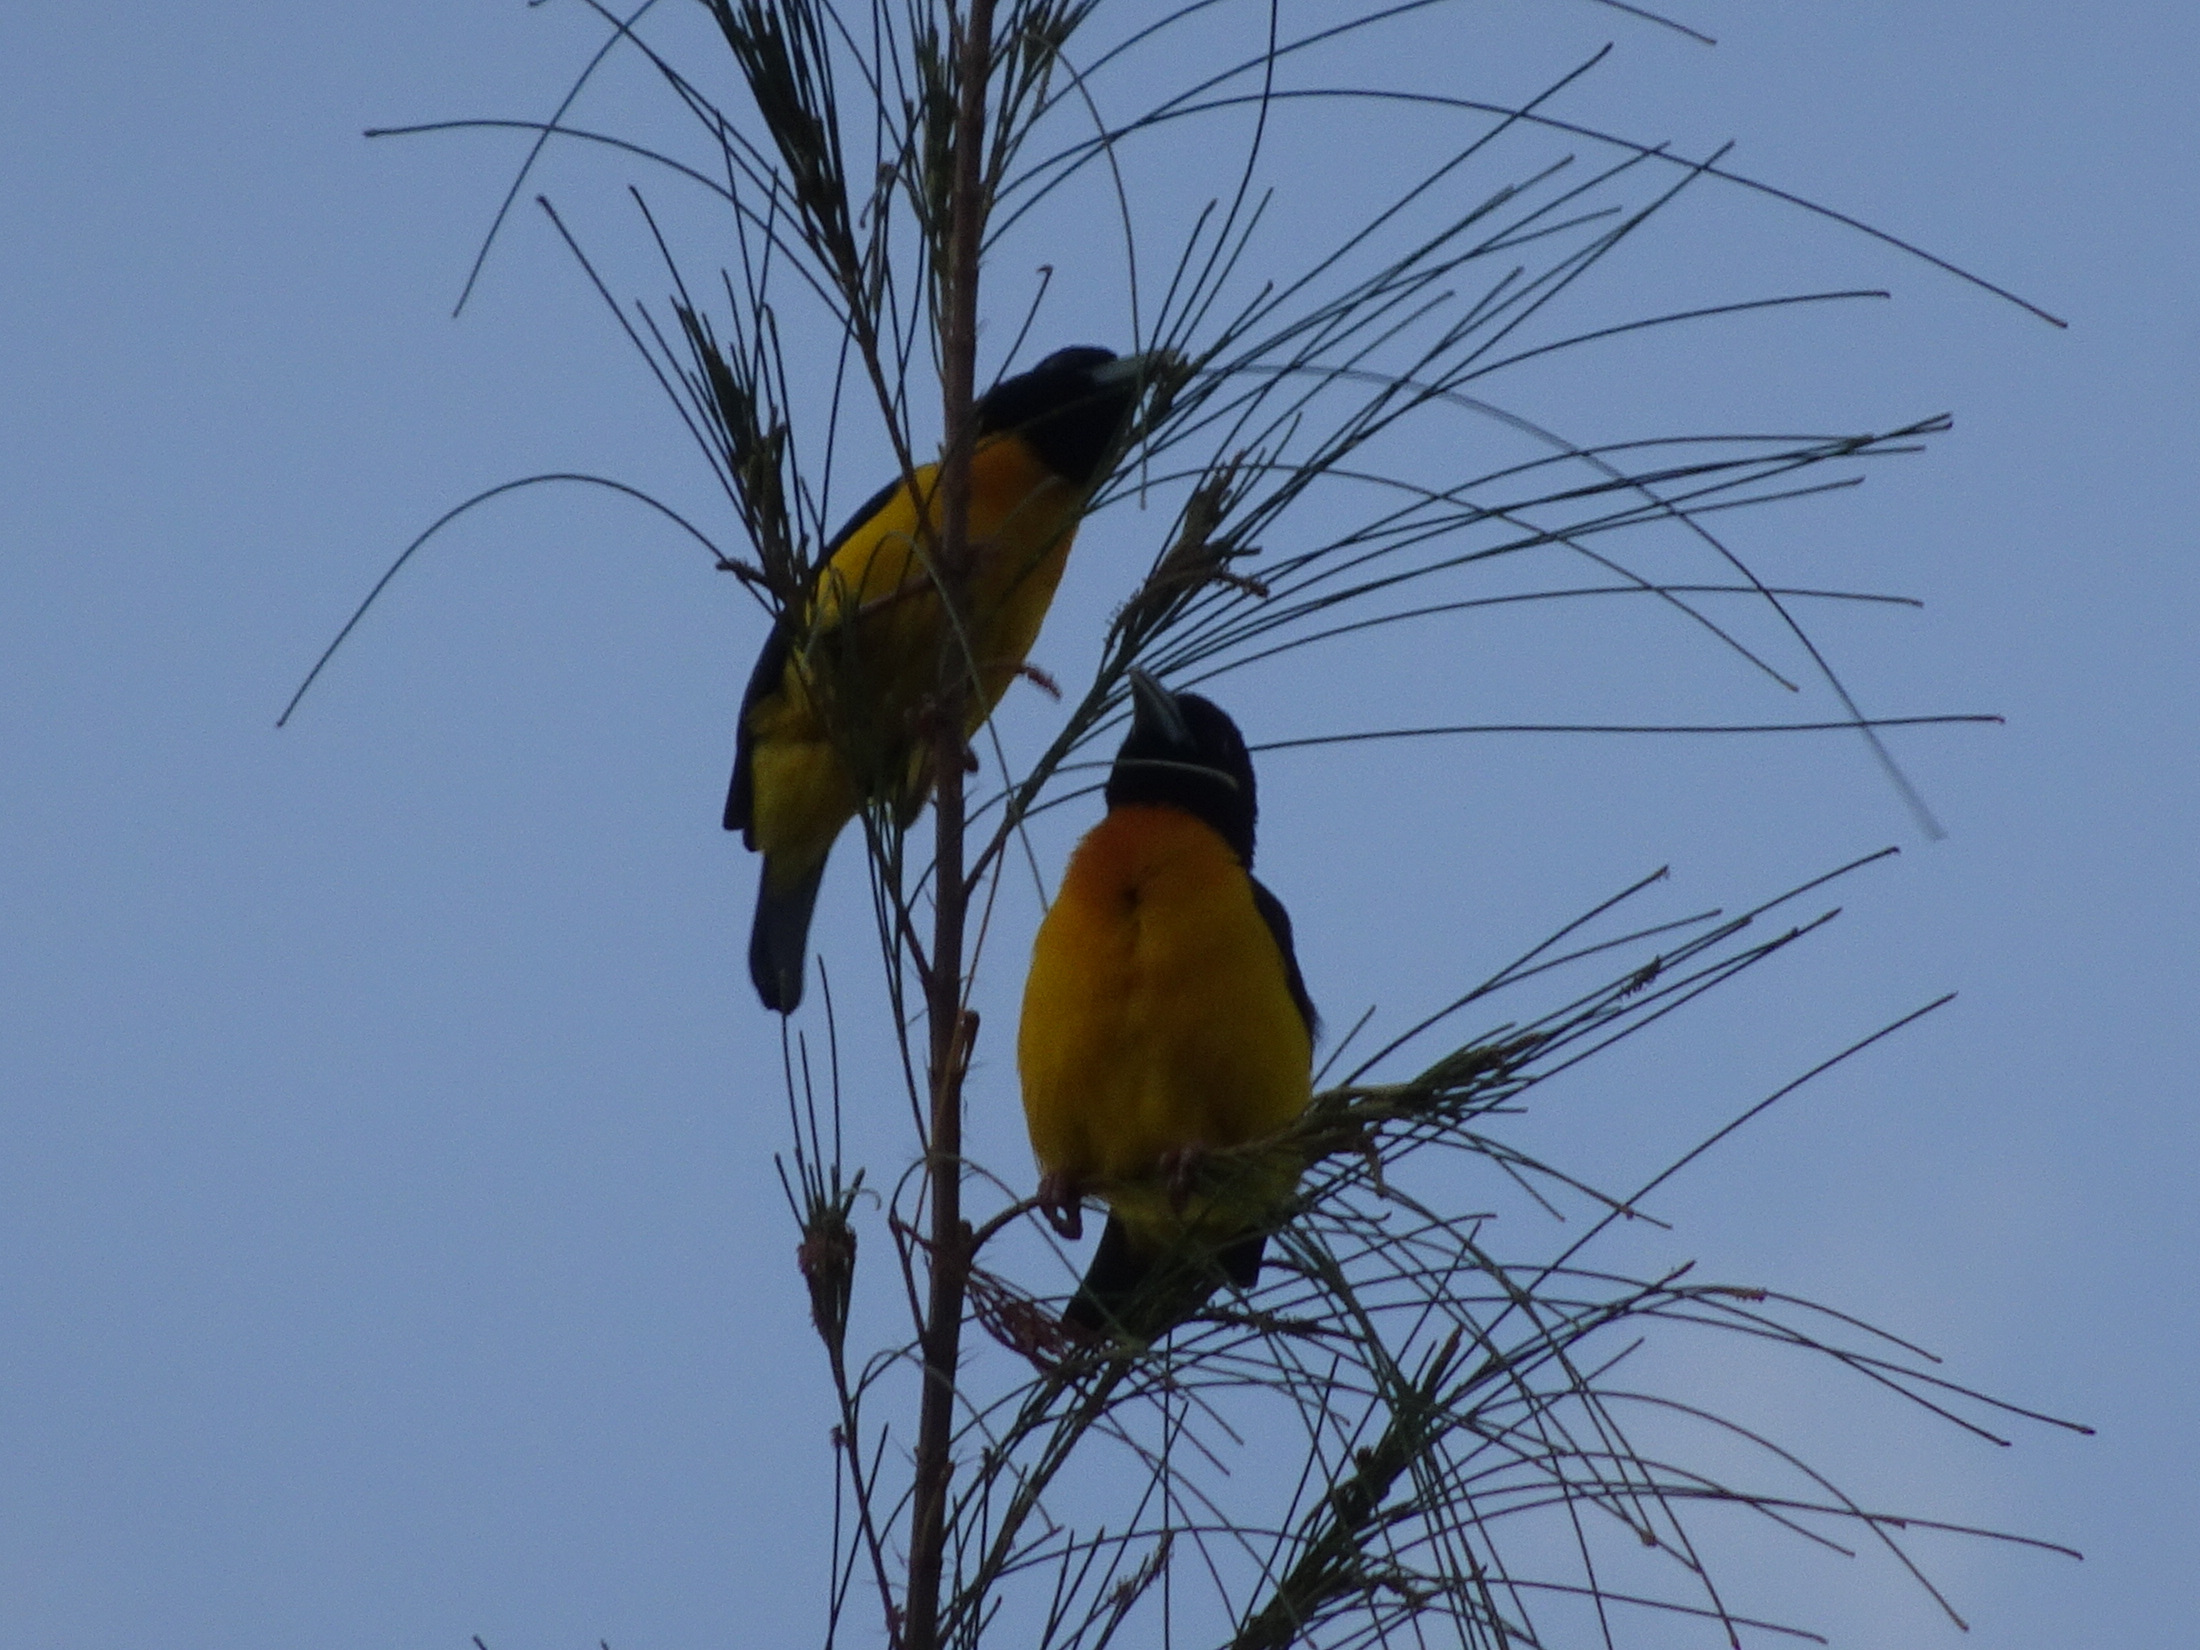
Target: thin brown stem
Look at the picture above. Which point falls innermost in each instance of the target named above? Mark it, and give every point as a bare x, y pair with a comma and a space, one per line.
952, 1029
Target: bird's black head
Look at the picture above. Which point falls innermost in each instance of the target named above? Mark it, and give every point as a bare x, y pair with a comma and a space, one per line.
1185, 752
1071, 407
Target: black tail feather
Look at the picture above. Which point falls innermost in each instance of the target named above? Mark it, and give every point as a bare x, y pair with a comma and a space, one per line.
1240, 1261
1112, 1281
1146, 1295
780, 940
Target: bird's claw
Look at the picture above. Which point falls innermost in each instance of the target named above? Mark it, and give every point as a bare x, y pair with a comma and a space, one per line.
1062, 1202
1179, 1169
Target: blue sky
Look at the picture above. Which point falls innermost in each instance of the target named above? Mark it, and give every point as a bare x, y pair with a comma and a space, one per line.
389, 1245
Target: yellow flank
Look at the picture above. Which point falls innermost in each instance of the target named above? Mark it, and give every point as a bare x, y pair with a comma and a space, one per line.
1157, 1016
841, 724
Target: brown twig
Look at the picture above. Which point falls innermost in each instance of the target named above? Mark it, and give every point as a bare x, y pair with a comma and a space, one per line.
953, 1029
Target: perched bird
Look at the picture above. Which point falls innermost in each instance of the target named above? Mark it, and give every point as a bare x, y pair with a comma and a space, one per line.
831, 717
1164, 1018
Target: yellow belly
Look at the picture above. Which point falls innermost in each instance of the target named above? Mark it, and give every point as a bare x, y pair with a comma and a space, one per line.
1157, 1016
843, 724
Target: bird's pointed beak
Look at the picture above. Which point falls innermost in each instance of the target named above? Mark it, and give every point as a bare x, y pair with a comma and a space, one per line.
1153, 366
1154, 709
1125, 369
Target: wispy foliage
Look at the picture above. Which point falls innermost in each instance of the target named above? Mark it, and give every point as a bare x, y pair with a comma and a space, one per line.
1404, 1426
1469, 1458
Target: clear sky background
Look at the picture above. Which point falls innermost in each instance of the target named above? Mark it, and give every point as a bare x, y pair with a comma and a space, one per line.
389, 1245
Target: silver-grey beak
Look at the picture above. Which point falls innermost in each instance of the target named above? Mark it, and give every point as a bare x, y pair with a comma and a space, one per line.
1154, 706
1129, 368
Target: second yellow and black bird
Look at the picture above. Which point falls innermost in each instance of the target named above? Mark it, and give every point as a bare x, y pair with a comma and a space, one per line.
830, 718
1165, 1018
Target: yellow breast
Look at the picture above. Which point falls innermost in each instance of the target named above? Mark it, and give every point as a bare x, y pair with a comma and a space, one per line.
1157, 1014
842, 724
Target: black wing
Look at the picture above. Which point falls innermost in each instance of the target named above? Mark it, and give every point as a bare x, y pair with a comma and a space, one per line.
771, 665
1279, 925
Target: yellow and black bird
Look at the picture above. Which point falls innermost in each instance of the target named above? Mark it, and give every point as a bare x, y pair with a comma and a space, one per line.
1165, 1018
832, 712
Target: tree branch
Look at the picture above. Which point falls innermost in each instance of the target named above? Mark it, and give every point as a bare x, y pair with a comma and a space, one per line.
953, 1030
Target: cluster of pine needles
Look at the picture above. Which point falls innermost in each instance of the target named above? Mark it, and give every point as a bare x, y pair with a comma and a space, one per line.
1444, 1434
